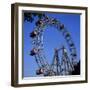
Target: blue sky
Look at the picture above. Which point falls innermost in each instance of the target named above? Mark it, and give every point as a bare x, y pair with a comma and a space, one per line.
52, 39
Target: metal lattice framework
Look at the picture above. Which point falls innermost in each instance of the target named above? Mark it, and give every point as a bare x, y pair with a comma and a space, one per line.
59, 66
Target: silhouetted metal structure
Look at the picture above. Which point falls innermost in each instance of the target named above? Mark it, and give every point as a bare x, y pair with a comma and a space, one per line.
59, 66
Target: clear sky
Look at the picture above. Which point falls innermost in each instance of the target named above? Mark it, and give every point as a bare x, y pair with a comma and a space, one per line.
52, 39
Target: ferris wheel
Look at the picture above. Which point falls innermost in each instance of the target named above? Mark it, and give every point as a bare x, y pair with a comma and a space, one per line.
59, 66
